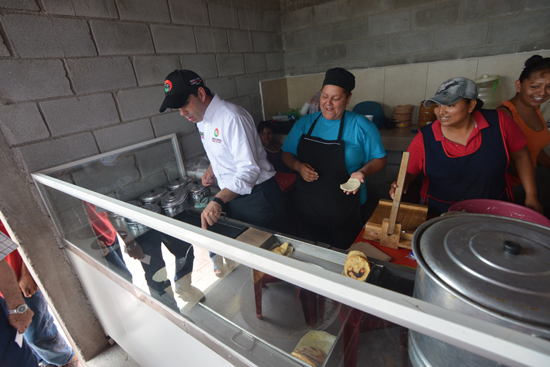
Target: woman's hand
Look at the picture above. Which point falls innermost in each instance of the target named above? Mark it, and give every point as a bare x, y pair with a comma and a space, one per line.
361, 177
208, 176
533, 203
307, 172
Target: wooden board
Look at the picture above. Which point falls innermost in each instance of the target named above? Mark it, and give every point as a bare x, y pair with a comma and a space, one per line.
411, 216
254, 237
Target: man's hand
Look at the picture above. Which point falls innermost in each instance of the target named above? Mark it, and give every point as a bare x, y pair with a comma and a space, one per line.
21, 321
210, 214
27, 285
208, 177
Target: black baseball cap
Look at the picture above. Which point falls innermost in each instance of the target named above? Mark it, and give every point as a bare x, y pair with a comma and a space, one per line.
178, 86
341, 78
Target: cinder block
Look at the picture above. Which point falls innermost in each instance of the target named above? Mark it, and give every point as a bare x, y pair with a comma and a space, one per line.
464, 35
334, 53
32, 36
541, 44
23, 80
155, 159
263, 42
256, 100
349, 30
400, 4
275, 61
191, 145
434, 56
123, 135
137, 188
211, 40
270, 75
223, 16
4, 52
271, 21
29, 5
244, 102
311, 37
392, 22
172, 122
71, 115
173, 39
368, 48
247, 84
140, 102
109, 177
54, 152
122, 38
351, 65
290, 40
144, 10
204, 65
224, 87
239, 41
489, 51
93, 9
255, 63
230, 64
519, 28
257, 117
297, 19
250, 19
74, 36
101, 74
296, 59
330, 12
152, 70
445, 13
411, 42
536, 5
361, 8
278, 42
192, 12
388, 61
22, 123
475, 10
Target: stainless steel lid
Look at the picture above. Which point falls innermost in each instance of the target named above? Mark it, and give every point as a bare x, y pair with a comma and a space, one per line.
501, 264
174, 198
179, 182
196, 188
153, 195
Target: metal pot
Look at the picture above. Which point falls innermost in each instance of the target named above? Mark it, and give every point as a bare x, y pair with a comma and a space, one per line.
178, 183
198, 191
153, 196
490, 267
137, 228
174, 202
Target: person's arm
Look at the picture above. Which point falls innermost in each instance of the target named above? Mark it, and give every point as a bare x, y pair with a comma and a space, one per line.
213, 210
524, 167
505, 110
13, 297
208, 176
408, 179
305, 170
543, 159
373, 166
26, 282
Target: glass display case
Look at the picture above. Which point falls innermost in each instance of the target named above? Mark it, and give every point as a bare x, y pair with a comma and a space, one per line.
130, 220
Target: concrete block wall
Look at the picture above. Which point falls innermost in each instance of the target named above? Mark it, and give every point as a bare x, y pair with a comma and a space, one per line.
353, 34
82, 78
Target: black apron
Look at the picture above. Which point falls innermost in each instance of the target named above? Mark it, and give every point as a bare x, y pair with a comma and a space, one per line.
322, 202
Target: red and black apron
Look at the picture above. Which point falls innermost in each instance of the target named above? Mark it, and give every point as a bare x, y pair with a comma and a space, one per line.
322, 202
480, 175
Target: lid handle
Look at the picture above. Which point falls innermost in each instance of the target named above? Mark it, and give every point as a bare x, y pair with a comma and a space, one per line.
512, 248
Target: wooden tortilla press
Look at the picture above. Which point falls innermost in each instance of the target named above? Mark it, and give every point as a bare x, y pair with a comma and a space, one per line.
393, 223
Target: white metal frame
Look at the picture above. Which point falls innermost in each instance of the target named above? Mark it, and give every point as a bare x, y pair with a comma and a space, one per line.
492, 341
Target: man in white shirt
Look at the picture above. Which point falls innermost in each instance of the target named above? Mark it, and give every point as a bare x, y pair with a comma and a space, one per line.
237, 158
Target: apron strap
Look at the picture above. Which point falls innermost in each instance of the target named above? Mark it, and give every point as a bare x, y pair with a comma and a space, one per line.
339, 131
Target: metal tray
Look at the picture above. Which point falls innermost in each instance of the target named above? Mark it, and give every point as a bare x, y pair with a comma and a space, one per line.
223, 226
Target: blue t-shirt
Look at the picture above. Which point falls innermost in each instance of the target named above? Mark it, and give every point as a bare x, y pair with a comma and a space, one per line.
362, 140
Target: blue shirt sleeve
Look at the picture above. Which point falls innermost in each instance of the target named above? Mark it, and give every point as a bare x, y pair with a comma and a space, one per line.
300, 127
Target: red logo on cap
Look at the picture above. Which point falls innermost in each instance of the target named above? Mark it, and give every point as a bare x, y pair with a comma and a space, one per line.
167, 86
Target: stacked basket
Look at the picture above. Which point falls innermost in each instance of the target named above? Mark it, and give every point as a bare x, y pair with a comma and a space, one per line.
426, 115
403, 115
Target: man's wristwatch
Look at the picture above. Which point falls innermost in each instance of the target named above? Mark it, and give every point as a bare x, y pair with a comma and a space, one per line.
19, 309
217, 200
131, 246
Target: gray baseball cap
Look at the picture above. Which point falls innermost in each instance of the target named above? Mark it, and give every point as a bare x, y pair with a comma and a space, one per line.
453, 90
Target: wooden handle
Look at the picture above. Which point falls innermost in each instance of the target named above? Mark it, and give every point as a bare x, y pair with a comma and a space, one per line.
398, 192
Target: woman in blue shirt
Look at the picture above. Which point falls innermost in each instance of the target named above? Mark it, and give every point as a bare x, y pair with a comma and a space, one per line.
326, 149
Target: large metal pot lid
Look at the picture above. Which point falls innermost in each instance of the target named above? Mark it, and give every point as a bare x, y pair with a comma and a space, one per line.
174, 198
501, 264
197, 187
153, 195
178, 183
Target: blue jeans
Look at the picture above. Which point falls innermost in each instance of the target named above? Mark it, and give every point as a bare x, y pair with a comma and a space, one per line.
42, 335
10, 353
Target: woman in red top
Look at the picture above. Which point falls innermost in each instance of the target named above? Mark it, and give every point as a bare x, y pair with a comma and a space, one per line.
532, 90
466, 152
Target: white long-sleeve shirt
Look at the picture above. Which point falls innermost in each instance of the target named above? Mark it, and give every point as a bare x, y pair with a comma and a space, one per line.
233, 147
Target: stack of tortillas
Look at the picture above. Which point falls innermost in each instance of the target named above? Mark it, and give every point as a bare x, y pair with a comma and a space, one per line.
357, 266
314, 347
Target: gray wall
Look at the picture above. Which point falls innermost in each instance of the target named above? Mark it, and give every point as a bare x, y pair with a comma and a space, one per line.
318, 35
